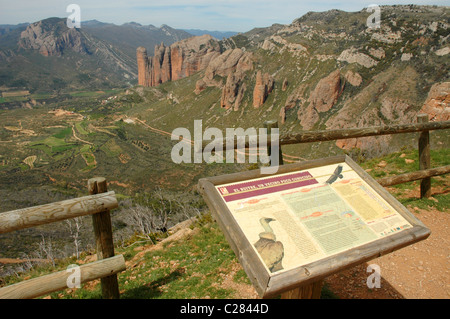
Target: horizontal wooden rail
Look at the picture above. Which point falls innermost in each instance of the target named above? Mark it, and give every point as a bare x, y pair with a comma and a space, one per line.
47, 284
329, 135
409, 177
53, 212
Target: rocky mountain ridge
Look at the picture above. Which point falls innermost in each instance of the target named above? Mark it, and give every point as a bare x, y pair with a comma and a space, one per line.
330, 70
40, 36
97, 55
177, 61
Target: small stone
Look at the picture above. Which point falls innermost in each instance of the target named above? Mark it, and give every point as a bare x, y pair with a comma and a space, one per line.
382, 164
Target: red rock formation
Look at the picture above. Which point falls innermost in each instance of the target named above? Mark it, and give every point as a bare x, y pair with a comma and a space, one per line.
233, 91
285, 84
192, 55
295, 98
228, 62
159, 66
181, 59
283, 114
437, 104
259, 91
353, 78
200, 85
321, 99
233, 64
326, 92
166, 67
263, 87
309, 117
240, 96
143, 67
177, 63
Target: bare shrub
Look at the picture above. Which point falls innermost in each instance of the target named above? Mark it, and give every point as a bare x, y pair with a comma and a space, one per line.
74, 226
47, 250
155, 213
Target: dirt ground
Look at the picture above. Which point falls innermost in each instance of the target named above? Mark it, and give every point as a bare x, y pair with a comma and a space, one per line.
419, 271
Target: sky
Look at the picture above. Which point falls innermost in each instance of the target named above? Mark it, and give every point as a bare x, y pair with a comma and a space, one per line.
213, 15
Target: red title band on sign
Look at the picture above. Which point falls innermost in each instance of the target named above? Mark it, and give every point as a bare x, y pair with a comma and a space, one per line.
266, 186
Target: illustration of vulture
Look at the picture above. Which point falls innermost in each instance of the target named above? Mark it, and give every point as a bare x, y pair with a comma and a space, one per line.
270, 250
336, 174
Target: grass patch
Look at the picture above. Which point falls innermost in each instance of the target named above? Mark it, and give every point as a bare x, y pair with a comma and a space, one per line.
440, 202
42, 96
85, 148
406, 193
111, 148
93, 93
63, 133
63, 148
53, 145
86, 94
14, 99
80, 127
191, 268
89, 159
50, 142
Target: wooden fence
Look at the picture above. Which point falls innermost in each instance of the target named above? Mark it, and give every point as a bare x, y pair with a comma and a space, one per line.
98, 204
423, 126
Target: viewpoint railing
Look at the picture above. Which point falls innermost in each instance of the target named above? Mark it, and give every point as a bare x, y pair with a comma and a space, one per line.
98, 204
423, 126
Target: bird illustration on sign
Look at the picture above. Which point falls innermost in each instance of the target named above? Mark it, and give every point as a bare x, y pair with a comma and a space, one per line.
336, 174
270, 250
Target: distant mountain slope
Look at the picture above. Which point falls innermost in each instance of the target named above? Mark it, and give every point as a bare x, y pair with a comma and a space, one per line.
129, 36
219, 35
6, 28
47, 56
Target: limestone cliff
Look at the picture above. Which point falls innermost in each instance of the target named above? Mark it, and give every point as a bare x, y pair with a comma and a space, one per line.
321, 99
233, 91
232, 64
326, 92
143, 66
52, 38
180, 60
437, 104
192, 55
228, 62
263, 87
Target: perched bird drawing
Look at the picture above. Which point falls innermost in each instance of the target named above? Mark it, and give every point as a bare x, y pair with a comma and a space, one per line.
270, 250
336, 174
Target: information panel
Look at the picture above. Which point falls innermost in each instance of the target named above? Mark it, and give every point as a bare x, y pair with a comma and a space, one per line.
296, 218
308, 221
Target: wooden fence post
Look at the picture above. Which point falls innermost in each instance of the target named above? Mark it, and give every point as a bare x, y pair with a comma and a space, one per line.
311, 291
104, 239
424, 157
269, 125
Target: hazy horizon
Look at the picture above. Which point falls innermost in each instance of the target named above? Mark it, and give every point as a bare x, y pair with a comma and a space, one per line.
221, 15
